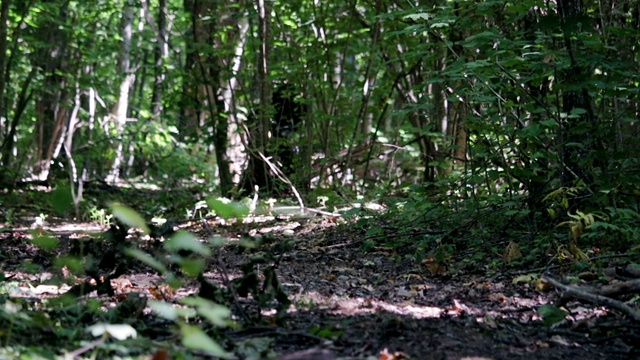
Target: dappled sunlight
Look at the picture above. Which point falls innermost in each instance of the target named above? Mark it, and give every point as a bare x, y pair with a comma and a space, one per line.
303, 180
358, 306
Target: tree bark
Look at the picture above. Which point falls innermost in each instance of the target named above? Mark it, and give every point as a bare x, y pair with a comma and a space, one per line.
51, 111
257, 173
120, 111
204, 65
579, 125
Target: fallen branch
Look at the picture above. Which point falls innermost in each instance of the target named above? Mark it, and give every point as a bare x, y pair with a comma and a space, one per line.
620, 288
578, 293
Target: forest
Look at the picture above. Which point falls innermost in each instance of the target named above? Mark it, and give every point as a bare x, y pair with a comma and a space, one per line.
319, 180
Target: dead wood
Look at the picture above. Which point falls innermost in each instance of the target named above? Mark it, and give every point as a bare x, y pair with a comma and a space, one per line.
582, 294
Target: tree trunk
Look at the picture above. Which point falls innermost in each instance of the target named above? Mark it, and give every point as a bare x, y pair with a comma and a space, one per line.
257, 173
6, 142
579, 125
53, 93
161, 52
120, 111
204, 65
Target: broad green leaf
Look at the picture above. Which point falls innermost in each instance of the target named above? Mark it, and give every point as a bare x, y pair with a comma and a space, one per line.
45, 242
184, 240
418, 17
215, 313
147, 259
217, 241
551, 314
193, 267
164, 309
222, 208
173, 280
218, 315
228, 209
74, 264
129, 216
194, 338
255, 348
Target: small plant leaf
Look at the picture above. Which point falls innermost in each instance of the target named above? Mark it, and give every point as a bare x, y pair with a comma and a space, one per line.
44, 241
147, 259
194, 338
216, 314
184, 240
551, 314
192, 267
228, 209
164, 309
129, 217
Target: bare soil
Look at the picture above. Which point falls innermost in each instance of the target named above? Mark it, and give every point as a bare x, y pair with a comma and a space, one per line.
352, 304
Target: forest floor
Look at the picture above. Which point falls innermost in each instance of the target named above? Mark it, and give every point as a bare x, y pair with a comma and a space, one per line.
352, 304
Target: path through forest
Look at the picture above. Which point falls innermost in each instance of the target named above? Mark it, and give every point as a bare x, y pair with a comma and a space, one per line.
351, 304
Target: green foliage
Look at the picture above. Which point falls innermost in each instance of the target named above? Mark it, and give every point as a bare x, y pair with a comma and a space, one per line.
194, 337
61, 199
228, 209
616, 229
552, 314
44, 241
457, 117
268, 293
129, 217
100, 215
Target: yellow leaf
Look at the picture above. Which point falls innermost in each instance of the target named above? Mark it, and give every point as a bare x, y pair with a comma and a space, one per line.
511, 252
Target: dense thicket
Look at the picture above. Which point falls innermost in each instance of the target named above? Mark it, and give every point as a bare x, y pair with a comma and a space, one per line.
517, 98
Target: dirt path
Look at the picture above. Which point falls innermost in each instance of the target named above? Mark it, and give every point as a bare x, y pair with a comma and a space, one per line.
372, 302
354, 305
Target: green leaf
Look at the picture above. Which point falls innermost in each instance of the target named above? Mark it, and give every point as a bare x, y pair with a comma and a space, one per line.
44, 241
147, 259
523, 279
194, 338
228, 209
221, 207
216, 314
74, 264
418, 17
192, 267
184, 240
551, 314
577, 112
164, 310
129, 216
255, 348
61, 199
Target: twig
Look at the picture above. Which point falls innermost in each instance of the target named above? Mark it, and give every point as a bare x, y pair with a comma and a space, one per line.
578, 293
283, 177
74, 354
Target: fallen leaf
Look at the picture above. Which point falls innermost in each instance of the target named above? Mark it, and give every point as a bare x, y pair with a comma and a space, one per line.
160, 355
386, 355
498, 297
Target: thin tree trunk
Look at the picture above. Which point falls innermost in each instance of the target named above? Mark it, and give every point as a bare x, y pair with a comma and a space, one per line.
161, 53
580, 122
4, 14
119, 113
257, 173
53, 94
236, 149
6, 150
